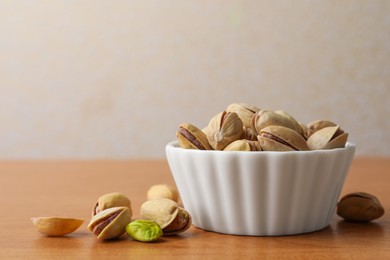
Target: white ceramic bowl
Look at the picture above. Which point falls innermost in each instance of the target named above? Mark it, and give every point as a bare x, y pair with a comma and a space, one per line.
260, 193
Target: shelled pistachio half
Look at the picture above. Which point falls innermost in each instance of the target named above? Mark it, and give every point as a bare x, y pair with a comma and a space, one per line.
110, 223
171, 218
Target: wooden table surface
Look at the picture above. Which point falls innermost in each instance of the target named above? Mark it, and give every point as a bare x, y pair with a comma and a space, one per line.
47, 188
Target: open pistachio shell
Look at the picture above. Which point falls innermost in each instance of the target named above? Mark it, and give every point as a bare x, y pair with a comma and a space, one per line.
171, 218
327, 138
316, 125
110, 200
297, 125
243, 145
56, 226
110, 223
244, 111
265, 118
191, 137
280, 138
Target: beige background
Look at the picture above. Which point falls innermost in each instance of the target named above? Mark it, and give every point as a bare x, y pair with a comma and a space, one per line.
113, 79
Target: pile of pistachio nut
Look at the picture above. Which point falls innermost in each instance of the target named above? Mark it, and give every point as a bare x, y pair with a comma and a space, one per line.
244, 127
112, 217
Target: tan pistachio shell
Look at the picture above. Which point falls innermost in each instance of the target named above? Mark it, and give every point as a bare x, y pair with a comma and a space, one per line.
297, 125
110, 223
56, 226
110, 200
223, 129
191, 137
280, 138
327, 138
243, 145
265, 118
244, 111
171, 218
163, 191
316, 125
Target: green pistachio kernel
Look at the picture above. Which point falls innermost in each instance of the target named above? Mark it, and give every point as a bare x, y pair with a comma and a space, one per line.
144, 230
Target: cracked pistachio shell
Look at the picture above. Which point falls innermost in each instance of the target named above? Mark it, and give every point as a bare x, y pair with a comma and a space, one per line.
327, 138
144, 230
297, 125
243, 145
163, 191
191, 137
56, 226
110, 223
265, 118
110, 200
171, 218
244, 111
249, 134
316, 125
280, 138
223, 129
360, 207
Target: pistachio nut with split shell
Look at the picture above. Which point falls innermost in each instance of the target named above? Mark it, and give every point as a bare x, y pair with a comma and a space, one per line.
110, 223
316, 125
56, 226
191, 137
243, 145
223, 129
110, 200
265, 118
280, 138
171, 218
244, 111
297, 125
327, 138
360, 207
249, 134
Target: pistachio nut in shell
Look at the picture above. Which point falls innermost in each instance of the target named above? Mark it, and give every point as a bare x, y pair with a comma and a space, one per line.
163, 191
316, 125
360, 207
110, 223
191, 137
249, 134
223, 129
56, 226
167, 213
265, 118
327, 138
297, 125
243, 145
280, 138
244, 111
144, 230
110, 200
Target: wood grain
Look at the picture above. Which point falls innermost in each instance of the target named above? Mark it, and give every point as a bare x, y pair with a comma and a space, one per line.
70, 188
